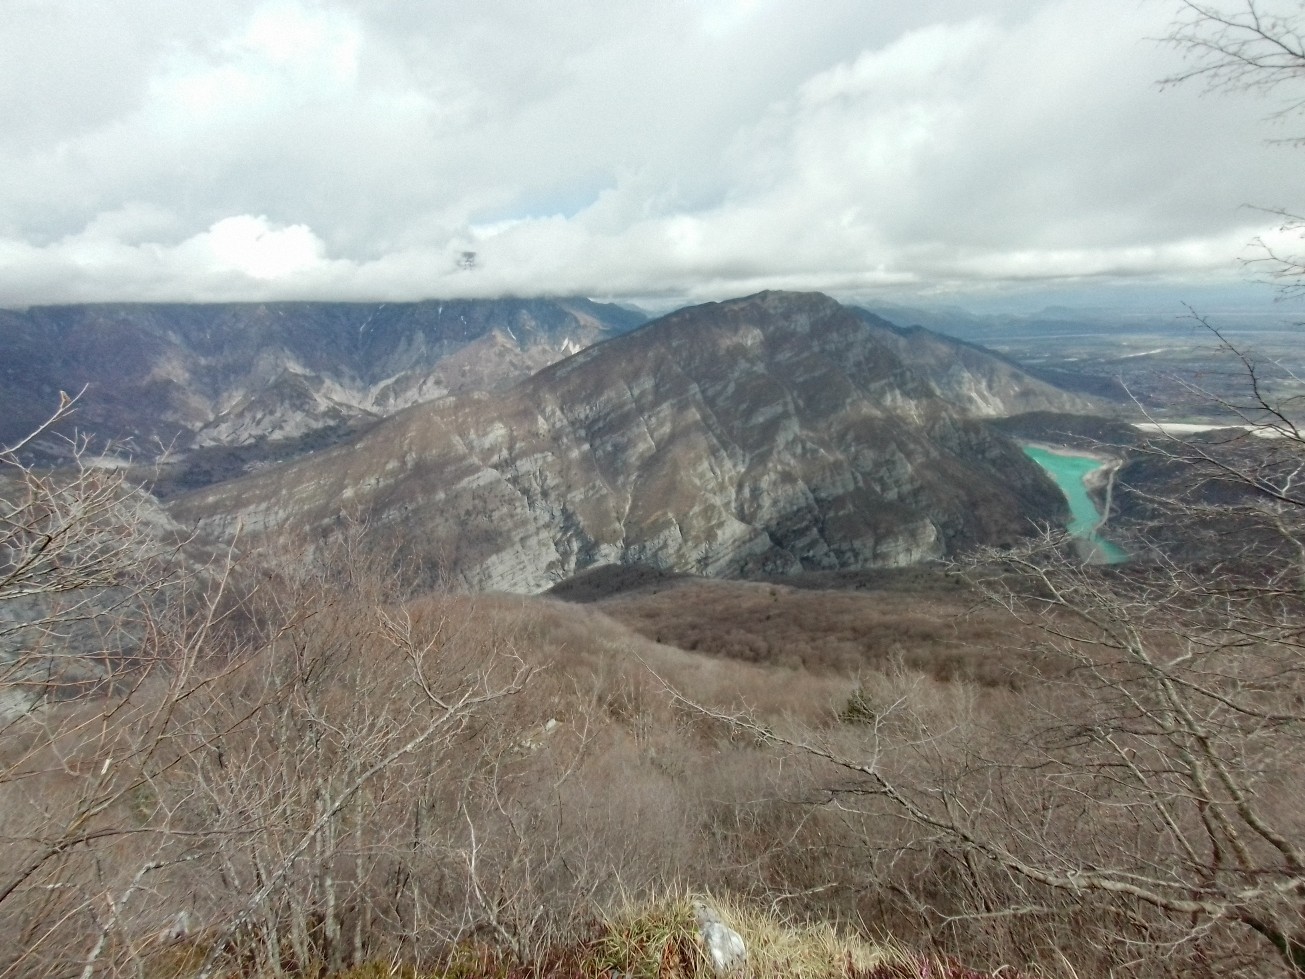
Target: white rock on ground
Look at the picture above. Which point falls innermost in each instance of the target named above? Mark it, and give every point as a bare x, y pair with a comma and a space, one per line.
724, 945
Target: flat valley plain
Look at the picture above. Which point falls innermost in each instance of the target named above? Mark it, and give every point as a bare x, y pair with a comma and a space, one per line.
1172, 368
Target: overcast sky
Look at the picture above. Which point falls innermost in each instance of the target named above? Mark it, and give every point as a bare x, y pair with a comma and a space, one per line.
667, 150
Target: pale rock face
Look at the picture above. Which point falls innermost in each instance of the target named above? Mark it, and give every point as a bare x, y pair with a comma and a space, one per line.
725, 948
769, 435
204, 376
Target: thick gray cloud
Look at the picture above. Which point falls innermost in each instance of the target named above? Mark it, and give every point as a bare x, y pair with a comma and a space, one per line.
355, 149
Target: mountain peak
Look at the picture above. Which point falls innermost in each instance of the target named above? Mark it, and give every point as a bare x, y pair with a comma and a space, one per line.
770, 434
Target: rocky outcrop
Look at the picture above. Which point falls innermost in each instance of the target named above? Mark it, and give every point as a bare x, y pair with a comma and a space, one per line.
195, 376
773, 434
724, 946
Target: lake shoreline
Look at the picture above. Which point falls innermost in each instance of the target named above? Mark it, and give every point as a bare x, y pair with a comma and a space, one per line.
1096, 483
1101, 479
1070, 453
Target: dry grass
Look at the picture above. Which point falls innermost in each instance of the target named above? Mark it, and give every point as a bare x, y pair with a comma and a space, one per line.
657, 938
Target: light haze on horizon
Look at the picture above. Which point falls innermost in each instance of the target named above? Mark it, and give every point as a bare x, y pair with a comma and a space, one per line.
663, 153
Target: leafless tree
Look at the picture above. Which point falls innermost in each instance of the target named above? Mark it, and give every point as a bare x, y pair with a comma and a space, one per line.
92, 589
332, 791
83, 552
1244, 44
267, 766
1258, 46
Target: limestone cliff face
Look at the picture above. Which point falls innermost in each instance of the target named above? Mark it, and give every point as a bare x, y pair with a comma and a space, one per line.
769, 434
196, 376
974, 379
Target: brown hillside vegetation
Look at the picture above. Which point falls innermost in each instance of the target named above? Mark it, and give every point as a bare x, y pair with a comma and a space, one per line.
308, 769
343, 779
303, 772
921, 620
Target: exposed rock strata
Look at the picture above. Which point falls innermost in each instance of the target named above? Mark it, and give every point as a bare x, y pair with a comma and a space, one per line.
194, 376
771, 434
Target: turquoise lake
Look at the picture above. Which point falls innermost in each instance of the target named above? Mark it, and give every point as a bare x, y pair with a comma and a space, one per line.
1068, 472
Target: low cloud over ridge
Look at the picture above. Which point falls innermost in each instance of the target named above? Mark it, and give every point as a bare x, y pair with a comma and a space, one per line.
342, 150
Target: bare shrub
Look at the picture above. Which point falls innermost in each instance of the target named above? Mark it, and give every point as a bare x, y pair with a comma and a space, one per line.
83, 556
263, 772
1136, 809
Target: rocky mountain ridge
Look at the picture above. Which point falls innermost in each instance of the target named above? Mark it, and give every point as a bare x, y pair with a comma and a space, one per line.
192, 377
773, 434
